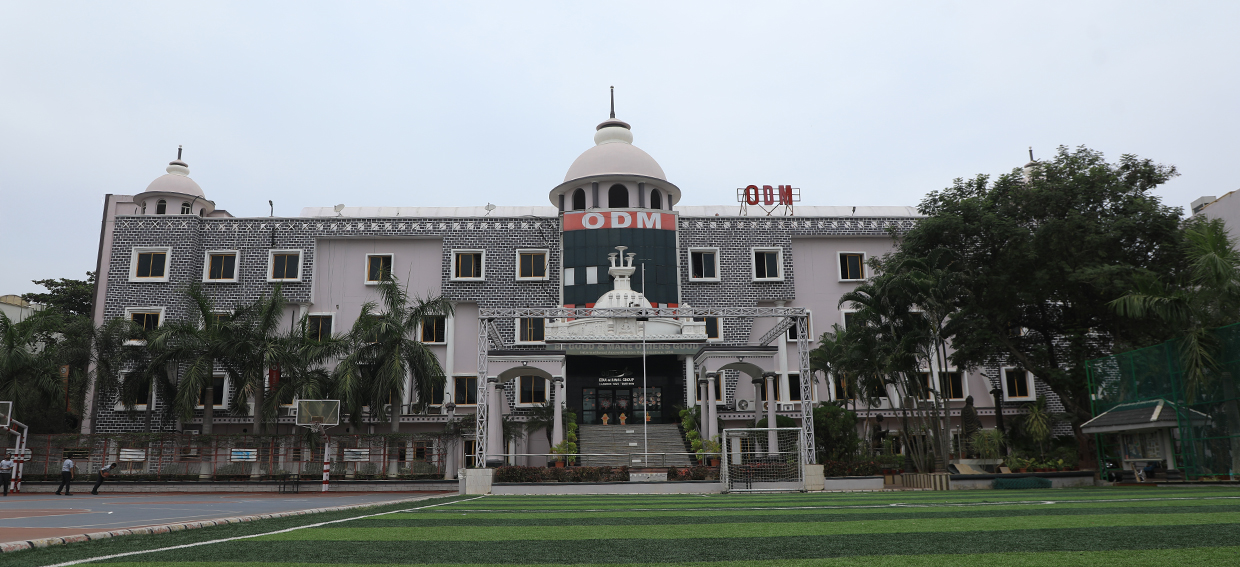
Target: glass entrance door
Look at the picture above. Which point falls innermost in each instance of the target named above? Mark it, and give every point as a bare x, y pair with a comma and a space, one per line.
610, 402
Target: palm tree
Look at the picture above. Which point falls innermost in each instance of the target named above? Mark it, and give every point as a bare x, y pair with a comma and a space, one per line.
1192, 304
195, 345
28, 374
255, 347
301, 359
387, 355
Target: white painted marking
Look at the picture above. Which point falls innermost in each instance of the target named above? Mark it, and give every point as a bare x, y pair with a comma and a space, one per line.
188, 545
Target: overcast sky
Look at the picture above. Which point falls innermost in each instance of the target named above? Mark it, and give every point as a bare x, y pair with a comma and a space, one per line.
453, 104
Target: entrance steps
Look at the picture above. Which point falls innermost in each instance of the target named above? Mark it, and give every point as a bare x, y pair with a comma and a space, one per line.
621, 440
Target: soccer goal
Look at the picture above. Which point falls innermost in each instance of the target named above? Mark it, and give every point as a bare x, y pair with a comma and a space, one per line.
762, 460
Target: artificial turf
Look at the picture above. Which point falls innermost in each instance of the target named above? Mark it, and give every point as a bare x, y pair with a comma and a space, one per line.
1103, 526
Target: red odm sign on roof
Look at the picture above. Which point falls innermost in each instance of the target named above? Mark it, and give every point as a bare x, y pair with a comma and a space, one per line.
768, 198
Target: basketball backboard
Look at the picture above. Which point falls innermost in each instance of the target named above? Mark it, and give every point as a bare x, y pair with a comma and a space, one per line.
6, 409
324, 413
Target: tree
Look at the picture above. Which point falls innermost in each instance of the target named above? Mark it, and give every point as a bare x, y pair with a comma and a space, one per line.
195, 346
28, 375
1040, 256
255, 348
387, 356
835, 432
66, 295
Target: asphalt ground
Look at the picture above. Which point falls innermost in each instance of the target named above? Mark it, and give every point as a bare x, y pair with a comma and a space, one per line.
26, 517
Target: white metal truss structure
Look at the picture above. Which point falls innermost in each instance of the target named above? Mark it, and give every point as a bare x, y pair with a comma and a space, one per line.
489, 338
762, 460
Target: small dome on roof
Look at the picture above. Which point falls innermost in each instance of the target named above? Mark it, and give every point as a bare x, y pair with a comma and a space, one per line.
614, 153
176, 181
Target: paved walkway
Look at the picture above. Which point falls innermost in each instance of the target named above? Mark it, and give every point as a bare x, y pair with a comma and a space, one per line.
26, 517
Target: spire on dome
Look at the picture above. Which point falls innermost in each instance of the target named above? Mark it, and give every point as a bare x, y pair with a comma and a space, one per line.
178, 167
613, 123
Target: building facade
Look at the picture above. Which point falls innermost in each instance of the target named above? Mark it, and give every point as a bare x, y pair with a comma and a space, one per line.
613, 236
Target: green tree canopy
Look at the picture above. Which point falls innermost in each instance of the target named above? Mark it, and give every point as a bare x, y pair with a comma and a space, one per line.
66, 295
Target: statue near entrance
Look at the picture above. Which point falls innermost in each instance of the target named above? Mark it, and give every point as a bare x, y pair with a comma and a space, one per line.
970, 423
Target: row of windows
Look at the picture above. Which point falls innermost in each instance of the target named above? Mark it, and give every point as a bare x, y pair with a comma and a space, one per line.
151, 264
617, 198
161, 207
767, 265
1017, 385
530, 390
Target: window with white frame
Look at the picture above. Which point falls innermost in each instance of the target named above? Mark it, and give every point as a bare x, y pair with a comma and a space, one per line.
465, 389
532, 389
852, 266
767, 264
530, 330
850, 318
435, 330
150, 264
468, 265
951, 385
531, 265
809, 327
714, 327
843, 387
220, 266
320, 326
792, 385
219, 393
147, 318
1017, 385
591, 275
284, 266
140, 393
703, 264
570, 276
378, 268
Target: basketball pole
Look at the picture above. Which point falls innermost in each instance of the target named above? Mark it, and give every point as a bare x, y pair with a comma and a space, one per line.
327, 463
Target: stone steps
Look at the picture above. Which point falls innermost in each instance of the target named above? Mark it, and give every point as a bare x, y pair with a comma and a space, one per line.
621, 440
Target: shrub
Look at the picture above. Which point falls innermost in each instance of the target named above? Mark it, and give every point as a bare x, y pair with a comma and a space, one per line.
851, 468
562, 474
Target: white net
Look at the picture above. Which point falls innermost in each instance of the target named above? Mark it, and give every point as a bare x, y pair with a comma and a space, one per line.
762, 460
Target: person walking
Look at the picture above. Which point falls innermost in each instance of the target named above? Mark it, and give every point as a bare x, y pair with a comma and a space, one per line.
104, 472
67, 470
7, 466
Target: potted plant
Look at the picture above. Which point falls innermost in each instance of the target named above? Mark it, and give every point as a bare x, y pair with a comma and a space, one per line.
711, 447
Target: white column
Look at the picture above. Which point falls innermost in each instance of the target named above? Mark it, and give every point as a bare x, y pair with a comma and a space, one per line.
781, 356
450, 451
772, 436
712, 421
690, 383
495, 419
757, 399
557, 431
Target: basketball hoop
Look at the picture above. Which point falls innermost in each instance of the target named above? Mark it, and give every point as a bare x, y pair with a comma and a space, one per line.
317, 416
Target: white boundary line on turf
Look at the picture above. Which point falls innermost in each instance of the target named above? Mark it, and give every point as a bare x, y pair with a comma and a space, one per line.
228, 539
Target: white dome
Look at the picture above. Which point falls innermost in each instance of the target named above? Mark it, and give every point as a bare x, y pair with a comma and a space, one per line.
614, 157
176, 181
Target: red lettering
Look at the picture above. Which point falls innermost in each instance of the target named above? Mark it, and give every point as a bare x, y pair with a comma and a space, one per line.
785, 194
751, 195
768, 195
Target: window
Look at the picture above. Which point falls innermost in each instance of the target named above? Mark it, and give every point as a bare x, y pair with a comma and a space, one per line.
852, 266
221, 266
704, 264
766, 264
530, 330
794, 387
219, 317
1016, 384
618, 197
570, 276
471, 454
591, 275
951, 385
467, 264
378, 268
656, 199
434, 330
466, 390
579, 200
714, 327
843, 391
531, 265
851, 318
533, 389
161, 207
185, 208
140, 392
809, 328
148, 320
927, 388
218, 385
436, 394
285, 265
149, 264
319, 327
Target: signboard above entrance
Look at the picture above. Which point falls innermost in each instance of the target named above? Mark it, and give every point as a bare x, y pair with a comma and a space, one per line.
585, 220
625, 349
768, 198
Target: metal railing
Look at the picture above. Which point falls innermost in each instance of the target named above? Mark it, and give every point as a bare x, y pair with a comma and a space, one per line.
630, 459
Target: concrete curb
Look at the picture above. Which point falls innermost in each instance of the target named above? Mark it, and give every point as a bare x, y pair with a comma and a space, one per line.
7, 547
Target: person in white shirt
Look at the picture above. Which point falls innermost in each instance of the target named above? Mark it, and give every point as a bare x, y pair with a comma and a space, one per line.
7, 466
103, 473
67, 470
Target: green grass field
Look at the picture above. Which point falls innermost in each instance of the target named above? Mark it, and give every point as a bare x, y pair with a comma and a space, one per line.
1105, 526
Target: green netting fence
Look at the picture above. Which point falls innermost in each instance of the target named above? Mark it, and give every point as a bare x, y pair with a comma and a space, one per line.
1204, 449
